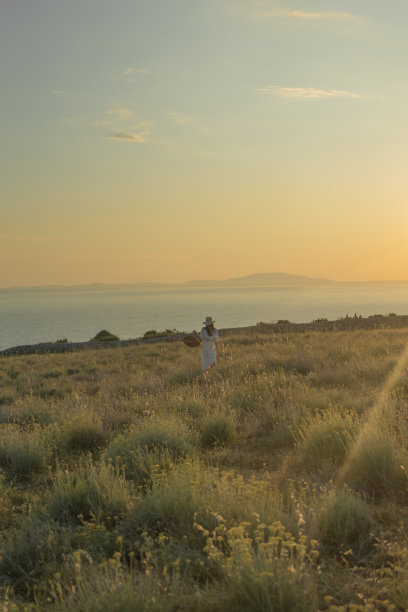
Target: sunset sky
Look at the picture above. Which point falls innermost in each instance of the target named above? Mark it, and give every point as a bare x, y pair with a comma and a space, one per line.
165, 140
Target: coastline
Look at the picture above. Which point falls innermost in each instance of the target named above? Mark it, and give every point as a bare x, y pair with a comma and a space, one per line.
345, 324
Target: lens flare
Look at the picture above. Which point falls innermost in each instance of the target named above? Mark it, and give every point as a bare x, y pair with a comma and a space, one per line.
375, 412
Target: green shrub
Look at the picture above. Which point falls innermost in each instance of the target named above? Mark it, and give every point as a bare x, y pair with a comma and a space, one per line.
141, 452
170, 510
344, 521
7, 400
164, 527
138, 465
104, 336
216, 430
91, 491
373, 467
209, 492
98, 539
166, 435
51, 394
113, 586
83, 432
22, 452
32, 553
324, 441
52, 374
72, 371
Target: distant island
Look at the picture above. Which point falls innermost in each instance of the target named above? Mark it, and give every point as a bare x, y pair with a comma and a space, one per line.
267, 279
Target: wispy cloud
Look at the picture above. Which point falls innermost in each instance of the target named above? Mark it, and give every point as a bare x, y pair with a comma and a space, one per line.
138, 137
123, 113
123, 126
271, 9
308, 92
131, 74
179, 118
128, 71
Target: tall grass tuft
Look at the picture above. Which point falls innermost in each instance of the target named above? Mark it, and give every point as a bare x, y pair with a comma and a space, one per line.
22, 452
343, 521
33, 553
216, 430
324, 441
113, 586
167, 435
164, 527
374, 468
93, 490
142, 452
83, 432
140, 465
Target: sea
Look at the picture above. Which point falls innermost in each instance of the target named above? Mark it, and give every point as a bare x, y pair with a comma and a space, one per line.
30, 316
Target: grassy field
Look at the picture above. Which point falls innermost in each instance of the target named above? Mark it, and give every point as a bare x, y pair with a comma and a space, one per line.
276, 481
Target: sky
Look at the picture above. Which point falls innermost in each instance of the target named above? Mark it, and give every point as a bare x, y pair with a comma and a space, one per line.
168, 140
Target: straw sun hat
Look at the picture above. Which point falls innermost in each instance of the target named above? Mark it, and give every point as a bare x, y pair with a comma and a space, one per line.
208, 321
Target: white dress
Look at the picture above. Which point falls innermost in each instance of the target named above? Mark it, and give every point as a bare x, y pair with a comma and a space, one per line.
208, 354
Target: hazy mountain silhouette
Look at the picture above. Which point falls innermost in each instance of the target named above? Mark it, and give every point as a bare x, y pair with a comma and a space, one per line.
271, 279
265, 280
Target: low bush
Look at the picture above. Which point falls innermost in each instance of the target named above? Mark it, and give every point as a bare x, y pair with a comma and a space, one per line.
324, 441
374, 469
113, 586
22, 452
52, 374
51, 394
33, 553
216, 430
141, 452
83, 432
138, 465
104, 336
93, 490
100, 540
164, 528
7, 400
170, 510
167, 435
344, 522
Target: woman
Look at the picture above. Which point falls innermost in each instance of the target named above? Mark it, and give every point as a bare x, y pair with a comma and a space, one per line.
209, 343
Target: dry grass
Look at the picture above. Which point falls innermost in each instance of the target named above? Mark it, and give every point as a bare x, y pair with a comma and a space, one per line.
128, 476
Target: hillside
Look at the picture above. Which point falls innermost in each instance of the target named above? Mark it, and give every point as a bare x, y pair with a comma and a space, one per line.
276, 481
